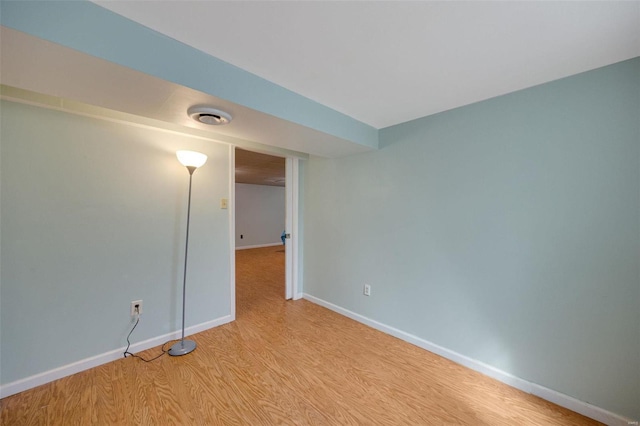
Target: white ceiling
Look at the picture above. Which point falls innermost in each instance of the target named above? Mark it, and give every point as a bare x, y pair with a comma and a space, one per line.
385, 63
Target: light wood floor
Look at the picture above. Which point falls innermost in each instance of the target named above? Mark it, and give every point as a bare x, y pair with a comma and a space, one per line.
283, 363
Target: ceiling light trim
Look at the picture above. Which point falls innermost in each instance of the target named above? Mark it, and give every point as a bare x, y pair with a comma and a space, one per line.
208, 115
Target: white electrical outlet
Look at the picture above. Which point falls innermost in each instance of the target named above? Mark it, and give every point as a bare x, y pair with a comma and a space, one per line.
367, 290
136, 307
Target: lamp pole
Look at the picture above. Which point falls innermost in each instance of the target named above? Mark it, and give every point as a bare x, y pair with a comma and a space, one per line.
184, 347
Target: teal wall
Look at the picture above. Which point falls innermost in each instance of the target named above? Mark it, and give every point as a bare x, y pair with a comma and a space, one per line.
93, 216
89, 28
507, 231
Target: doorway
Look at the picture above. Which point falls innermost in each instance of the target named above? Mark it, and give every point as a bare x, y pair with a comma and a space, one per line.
265, 200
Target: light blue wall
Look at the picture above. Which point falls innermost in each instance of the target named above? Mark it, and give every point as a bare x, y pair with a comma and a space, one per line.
93, 216
507, 231
89, 28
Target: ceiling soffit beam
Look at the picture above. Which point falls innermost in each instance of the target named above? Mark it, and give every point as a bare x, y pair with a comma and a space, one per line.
12, 94
91, 29
31, 65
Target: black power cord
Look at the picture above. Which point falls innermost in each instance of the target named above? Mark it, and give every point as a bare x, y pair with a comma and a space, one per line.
126, 351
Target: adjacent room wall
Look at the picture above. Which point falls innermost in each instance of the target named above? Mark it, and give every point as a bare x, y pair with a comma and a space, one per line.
260, 215
507, 231
93, 216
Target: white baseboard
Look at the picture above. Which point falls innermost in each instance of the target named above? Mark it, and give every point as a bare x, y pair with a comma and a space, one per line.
558, 398
94, 361
259, 246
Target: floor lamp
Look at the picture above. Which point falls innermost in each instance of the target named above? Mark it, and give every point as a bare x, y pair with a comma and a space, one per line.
191, 160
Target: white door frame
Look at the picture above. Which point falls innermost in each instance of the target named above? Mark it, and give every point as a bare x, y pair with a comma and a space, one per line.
291, 225
232, 231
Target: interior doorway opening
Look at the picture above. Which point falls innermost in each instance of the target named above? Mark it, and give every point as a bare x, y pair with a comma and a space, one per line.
265, 209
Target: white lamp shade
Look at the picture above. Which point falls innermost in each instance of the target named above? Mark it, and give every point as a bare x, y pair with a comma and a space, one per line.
191, 158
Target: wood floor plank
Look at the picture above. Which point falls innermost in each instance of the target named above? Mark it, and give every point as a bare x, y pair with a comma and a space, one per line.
286, 363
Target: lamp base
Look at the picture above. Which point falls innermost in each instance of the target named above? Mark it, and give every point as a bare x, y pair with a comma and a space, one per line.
182, 347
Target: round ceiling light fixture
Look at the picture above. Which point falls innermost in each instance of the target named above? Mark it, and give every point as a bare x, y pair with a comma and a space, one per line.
208, 115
